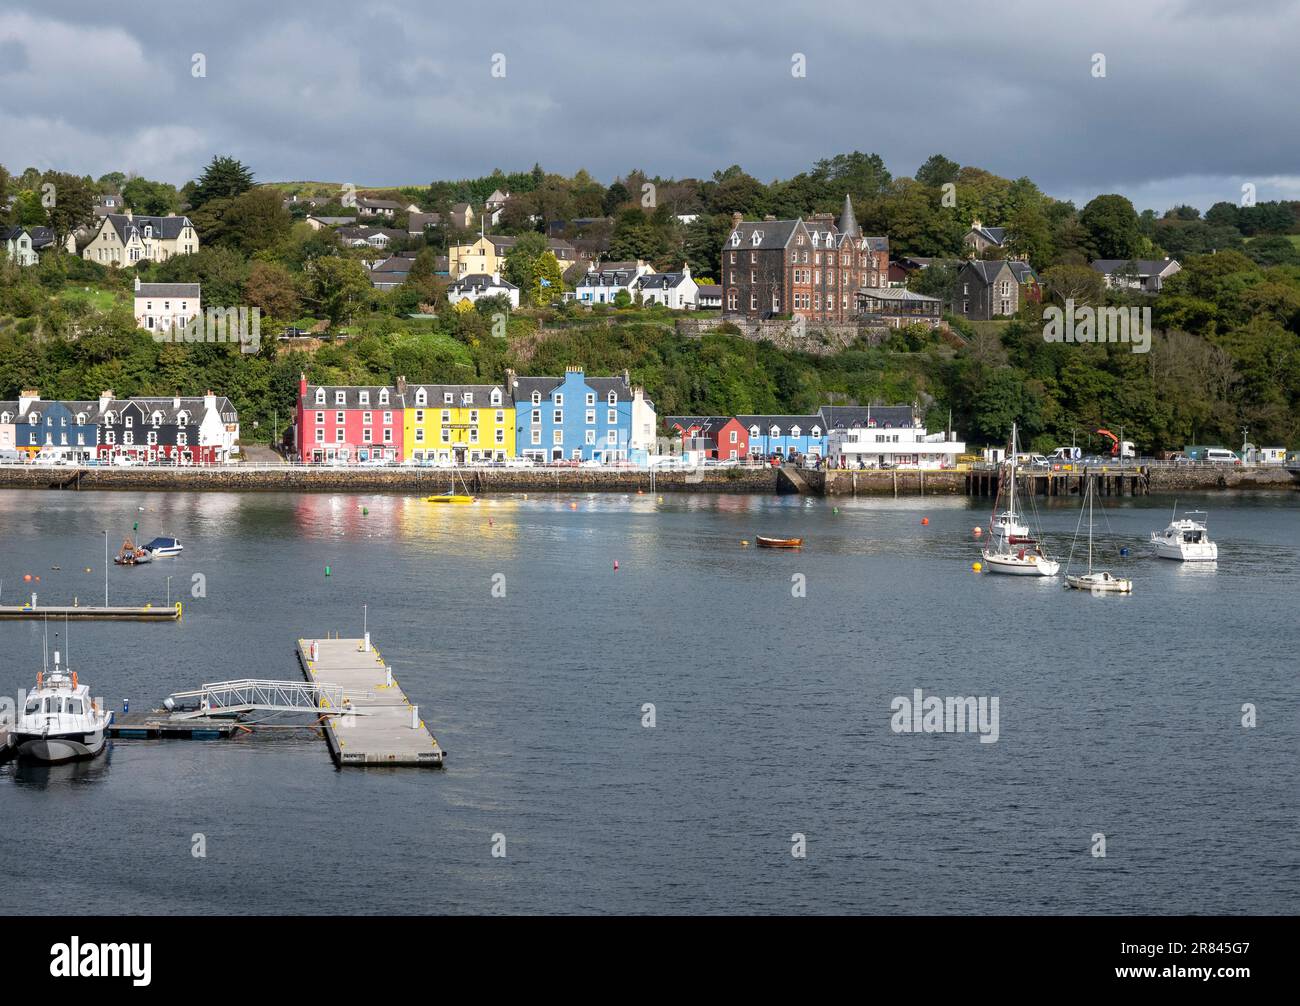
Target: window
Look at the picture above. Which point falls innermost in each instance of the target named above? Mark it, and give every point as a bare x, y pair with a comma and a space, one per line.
559, 400
473, 415
363, 398
448, 398
419, 435
537, 398
591, 417
152, 439
590, 437
383, 396
753, 431
734, 438
365, 418
338, 436
366, 437
612, 417
128, 421
611, 437
388, 436
536, 438
340, 398
537, 415
558, 417
591, 399
338, 418
501, 436
557, 437
446, 416
446, 435
388, 419
816, 432
320, 396
473, 434
320, 436
181, 440
501, 416
421, 397
794, 431
496, 398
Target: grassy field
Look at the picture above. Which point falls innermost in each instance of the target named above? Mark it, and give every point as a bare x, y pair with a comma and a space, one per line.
95, 297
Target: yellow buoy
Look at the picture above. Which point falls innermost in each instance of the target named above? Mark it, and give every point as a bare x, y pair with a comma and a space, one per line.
977, 566
744, 541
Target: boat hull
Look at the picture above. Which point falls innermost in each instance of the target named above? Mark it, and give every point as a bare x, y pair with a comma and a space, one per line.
459, 500
1099, 584
1011, 565
779, 542
55, 750
1180, 552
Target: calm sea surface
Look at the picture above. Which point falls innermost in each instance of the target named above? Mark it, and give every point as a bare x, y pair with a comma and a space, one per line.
1118, 715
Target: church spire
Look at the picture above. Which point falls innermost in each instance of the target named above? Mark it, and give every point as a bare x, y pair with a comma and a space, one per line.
848, 222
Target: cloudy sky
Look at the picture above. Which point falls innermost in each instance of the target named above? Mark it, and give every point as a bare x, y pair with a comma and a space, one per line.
1198, 97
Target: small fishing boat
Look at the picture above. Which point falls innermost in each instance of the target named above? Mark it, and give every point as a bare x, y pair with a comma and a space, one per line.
60, 721
1186, 540
132, 554
162, 548
779, 542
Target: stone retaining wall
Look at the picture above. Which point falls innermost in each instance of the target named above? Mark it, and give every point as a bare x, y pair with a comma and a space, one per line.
819, 337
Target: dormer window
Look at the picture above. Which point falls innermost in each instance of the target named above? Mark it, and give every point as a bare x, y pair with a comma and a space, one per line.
383, 396
775, 431
340, 398
34, 418
816, 432
537, 398
320, 396
753, 431
448, 398
467, 398
182, 418
364, 397
794, 431
757, 238
735, 238
496, 396
81, 419
421, 397
111, 418
157, 418
613, 398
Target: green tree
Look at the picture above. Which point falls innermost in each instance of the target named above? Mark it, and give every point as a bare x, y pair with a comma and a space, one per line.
223, 178
937, 171
338, 287
1111, 225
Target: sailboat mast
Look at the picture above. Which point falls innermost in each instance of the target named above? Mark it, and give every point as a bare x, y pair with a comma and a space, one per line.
1089, 526
1011, 472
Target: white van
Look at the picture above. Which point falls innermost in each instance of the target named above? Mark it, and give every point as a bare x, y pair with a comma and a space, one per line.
1221, 456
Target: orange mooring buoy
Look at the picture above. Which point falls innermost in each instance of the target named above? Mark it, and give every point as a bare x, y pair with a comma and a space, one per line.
925, 520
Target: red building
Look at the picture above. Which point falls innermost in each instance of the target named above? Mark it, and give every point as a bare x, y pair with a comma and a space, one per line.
350, 424
719, 437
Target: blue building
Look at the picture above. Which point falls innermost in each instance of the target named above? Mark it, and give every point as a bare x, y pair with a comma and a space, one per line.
69, 428
785, 435
580, 418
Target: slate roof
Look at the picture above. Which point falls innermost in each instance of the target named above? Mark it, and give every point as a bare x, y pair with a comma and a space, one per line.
481, 396
705, 424
1023, 271
506, 241
168, 290
1145, 267
352, 397
481, 282
772, 234
783, 423
882, 416
523, 388
661, 280
986, 270
166, 228
378, 204
42, 237
994, 235
709, 291
602, 386
365, 233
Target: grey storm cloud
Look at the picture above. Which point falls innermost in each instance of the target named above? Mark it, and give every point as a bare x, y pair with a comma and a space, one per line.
1198, 96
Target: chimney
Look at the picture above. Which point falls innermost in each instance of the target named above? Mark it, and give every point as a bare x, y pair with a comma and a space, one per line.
496, 277
209, 400
736, 218
627, 378
176, 400
686, 270
137, 282
512, 381
129, 214
769, 216
27, 398
401, 384
105, 397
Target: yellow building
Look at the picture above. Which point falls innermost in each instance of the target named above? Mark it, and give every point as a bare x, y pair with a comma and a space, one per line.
487, 255
459, 424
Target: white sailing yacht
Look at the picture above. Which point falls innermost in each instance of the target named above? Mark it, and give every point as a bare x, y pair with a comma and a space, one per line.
1016, 552
1096, 580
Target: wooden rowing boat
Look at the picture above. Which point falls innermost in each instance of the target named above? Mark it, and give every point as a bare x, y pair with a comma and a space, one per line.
779, 542
449, 498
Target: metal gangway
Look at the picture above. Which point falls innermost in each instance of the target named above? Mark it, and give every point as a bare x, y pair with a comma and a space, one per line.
249, 695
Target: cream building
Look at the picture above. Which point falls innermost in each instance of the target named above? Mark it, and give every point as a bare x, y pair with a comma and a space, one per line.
124, 239
487, 255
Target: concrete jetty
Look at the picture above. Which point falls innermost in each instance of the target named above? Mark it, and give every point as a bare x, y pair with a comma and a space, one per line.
85, 613
381, 727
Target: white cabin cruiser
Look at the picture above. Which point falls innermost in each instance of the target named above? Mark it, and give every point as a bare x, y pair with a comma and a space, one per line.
60, 721
163, 548
1186, 540
1007, 525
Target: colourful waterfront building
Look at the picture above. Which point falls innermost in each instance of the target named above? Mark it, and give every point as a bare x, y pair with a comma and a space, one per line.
459, 423
350, 424
581, 418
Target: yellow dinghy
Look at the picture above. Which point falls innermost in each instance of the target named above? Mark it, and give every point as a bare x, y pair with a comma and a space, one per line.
450, 498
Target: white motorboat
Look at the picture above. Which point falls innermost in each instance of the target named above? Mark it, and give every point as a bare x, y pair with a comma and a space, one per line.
1014, 551
1186, 540
60, 721
163, 548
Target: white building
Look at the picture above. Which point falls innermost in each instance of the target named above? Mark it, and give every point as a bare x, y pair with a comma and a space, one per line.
472, 287
603, 283
17, 245
868, 444
162, 307
672, 289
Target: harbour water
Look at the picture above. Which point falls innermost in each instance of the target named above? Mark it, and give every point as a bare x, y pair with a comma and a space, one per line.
1119, 716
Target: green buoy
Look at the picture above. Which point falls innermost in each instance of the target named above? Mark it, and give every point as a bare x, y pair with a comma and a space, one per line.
327, 571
